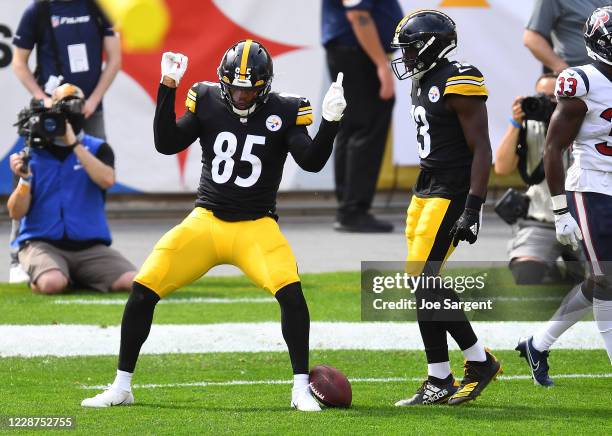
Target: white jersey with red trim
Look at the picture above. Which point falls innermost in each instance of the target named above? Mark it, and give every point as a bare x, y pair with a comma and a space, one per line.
591, 170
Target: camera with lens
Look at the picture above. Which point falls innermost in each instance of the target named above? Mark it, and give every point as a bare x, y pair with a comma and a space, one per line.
40, 125
538, 107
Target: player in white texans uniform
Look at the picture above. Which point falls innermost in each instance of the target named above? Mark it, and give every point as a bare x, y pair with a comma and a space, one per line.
583, 119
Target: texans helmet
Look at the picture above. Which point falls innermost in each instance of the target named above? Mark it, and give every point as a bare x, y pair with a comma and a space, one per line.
246, 65
425, 37
598, 35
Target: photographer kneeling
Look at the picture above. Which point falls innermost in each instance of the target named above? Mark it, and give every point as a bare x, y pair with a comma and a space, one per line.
534, 249
60, 198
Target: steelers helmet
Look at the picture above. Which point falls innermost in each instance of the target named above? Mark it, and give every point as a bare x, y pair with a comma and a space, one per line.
425, 37
246, 65
598, 35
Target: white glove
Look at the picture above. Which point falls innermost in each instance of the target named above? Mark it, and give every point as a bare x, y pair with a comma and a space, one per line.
566, 227
173, 65
334, 102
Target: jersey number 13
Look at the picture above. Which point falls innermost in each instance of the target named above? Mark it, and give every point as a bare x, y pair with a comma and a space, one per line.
420, 118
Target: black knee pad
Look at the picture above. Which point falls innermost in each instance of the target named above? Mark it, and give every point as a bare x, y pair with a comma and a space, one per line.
528, 272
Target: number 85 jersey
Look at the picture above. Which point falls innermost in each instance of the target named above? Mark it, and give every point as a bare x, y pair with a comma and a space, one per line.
243, 158
440, 137
592, 148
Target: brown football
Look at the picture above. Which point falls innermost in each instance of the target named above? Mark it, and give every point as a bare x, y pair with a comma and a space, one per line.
330, 386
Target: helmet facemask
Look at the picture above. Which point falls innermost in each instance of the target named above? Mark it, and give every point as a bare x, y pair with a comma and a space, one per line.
418, 57
234, 95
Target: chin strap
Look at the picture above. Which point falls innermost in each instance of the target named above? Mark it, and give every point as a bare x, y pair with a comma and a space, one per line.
244, 112
420, 74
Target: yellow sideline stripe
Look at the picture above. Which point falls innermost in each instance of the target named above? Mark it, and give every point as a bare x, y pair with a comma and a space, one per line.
245, 57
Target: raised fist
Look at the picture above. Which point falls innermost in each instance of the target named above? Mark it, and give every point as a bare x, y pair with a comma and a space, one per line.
173, 65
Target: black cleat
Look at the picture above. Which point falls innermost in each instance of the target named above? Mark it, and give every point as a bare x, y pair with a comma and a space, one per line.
431, 393
537, 360
476, 377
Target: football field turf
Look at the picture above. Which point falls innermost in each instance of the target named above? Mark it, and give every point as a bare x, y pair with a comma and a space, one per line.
249, 392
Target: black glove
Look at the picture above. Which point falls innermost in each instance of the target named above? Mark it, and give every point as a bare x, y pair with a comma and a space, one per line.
468, 225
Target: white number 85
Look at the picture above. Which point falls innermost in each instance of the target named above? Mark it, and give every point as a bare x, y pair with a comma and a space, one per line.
222, 173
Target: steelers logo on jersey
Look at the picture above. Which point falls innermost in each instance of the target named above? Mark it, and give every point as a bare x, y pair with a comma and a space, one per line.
273, 123
434, 94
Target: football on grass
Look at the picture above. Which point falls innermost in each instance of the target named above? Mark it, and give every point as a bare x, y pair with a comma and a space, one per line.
330, 386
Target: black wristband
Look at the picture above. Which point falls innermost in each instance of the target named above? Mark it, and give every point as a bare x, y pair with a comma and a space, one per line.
561, 211
473, 202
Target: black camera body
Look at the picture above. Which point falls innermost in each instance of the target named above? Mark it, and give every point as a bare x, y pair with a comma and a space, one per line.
40, 125
538, 107
512, 206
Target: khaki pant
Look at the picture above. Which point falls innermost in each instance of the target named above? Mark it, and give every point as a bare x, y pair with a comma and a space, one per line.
97, 267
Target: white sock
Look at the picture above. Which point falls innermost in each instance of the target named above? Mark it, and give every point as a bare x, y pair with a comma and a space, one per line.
439, 370
123, 381
573, 308
602, 310
476, 353
300, 381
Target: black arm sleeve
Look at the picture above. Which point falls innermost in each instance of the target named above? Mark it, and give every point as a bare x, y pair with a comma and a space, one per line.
312, 154
172, 136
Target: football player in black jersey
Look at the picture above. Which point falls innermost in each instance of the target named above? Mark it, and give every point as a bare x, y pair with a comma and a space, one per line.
246, 132
448, 106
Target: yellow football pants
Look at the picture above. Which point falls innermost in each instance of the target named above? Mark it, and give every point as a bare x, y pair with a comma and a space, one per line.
428, 224
202, 241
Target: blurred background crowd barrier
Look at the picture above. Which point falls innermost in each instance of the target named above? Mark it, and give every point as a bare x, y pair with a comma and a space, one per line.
490, 37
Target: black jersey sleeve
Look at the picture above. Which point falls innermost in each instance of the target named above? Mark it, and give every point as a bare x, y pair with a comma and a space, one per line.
312, 154
172, 135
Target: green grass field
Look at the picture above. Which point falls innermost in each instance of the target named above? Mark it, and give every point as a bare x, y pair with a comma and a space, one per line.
246, 393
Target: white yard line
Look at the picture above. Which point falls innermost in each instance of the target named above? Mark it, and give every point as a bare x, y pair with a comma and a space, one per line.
121, 302
208, 300
352, 380
92, 340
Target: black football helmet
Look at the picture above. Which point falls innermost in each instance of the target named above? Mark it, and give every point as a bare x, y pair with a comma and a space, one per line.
425, 37
598, 35
246, 65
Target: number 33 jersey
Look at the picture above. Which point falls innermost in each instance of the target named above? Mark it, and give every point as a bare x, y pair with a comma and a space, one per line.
591, 170
243, 158
445, 158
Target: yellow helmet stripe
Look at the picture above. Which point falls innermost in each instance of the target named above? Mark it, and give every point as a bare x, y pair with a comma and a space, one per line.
245, 57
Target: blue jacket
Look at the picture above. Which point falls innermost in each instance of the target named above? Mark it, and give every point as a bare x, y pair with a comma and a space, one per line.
66, 203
